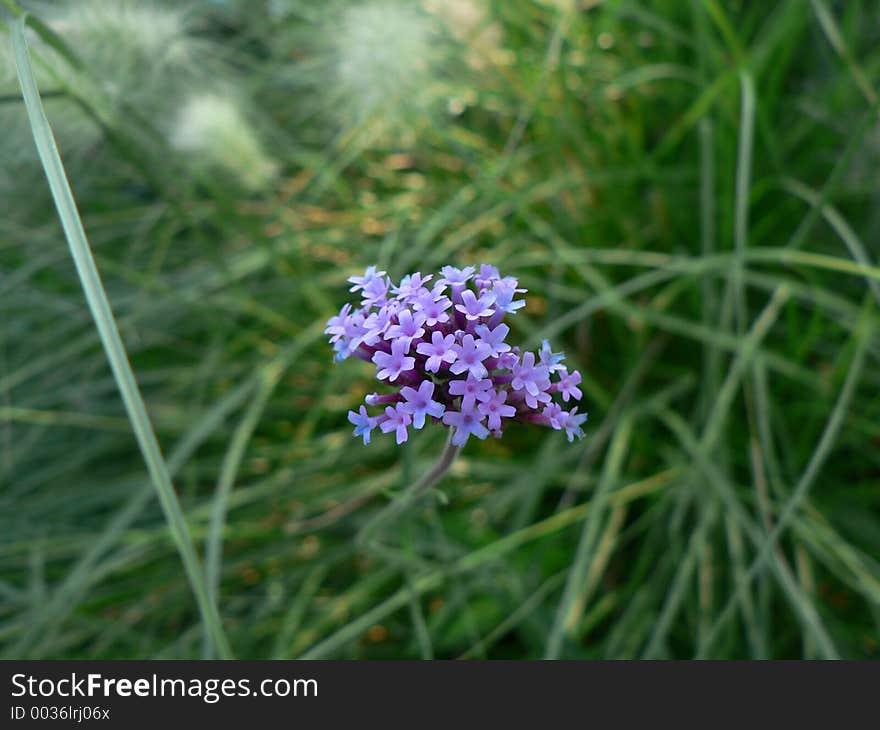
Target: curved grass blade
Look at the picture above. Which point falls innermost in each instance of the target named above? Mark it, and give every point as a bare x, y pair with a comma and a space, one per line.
824, 446
110, 338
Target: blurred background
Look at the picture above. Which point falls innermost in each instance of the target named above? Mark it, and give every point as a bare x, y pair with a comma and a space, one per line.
689, 191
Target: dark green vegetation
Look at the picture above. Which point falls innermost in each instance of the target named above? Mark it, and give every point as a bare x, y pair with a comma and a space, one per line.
688, 189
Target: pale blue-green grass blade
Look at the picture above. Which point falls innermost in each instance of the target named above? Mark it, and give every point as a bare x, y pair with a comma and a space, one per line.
110, 338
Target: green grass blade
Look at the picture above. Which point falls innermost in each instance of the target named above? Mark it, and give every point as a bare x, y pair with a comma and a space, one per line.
571, 605
110, 338
269, 377
836, 39
743, 187
826, 442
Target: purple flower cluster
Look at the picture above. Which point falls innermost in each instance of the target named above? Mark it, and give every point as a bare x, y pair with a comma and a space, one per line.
442, 342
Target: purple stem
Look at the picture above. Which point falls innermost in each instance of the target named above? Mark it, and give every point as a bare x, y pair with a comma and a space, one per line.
495, 319
382, 399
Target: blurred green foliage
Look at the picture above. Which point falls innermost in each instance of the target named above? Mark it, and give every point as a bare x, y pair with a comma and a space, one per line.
688, 190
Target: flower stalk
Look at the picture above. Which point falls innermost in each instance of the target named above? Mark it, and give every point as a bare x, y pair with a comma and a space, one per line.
371, 531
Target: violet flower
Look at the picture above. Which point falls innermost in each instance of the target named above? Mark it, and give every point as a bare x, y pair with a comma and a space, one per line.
408, 328
448, 358
391, 366
471, 354
504, 292
550, 360
493, 407
419, 403
473, 308
396, 419
466, 422
568, 383
456, 277
411, 286
494, 338
470, 390
363, 424
432, 305
572, 424
439, 350
362, 282
487, 277
527, 376
375, 292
